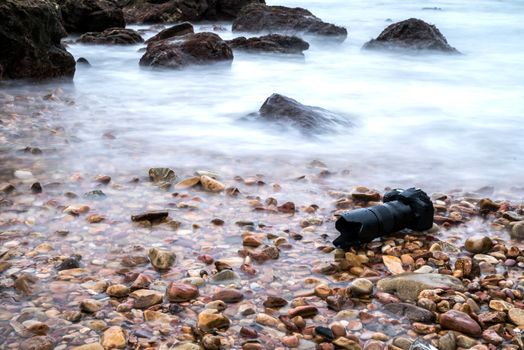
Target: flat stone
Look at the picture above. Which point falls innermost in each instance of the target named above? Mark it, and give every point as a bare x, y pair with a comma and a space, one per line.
228, 295
181, 292
408, 286
118, 291
145, 298
92, 346
516, 316
411, 312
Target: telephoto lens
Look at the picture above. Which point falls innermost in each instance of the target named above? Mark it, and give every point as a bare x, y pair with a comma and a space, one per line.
411, 209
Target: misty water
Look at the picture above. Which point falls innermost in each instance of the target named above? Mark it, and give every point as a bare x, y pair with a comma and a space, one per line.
430, 120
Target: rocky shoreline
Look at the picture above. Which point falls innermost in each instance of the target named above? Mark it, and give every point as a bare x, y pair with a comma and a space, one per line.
188, 259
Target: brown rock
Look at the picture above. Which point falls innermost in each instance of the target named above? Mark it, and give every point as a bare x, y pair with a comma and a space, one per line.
114, 338
262, 18
90, 306
181, 292
210, 319
275, 302
199, 48
118, 291
145, 298
37, 343
228, 295
303, 311
460, 322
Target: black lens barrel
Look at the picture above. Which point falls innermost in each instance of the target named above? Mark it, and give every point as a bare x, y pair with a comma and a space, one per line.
402, 209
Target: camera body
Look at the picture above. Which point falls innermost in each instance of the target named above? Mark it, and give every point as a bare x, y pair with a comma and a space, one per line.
420, 205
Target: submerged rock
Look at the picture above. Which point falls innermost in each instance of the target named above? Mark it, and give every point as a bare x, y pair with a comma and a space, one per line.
412, 34
408, 286
153, 217
284, 110
411, 312
274, 19
191, 49
159, 175
161, 259
119, 36
81, 16
30, 33
274, 43
174, 31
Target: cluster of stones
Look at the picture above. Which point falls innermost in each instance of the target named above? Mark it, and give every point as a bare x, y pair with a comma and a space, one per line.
389, 293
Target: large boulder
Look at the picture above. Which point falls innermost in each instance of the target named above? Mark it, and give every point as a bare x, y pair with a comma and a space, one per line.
117, 36
81, 16
160, 11
275, 43
411, 34
228, 9
165, 11
200, 48
308, 119
279, 19
30, 33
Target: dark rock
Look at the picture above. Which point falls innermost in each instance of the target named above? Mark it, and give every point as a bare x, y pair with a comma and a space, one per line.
117, 36
460, 322
162, 11
153, 216
275, 302
228, 9
284, 110
176, 30
324, 332
81, 16
167, 11
30, 33
412, 34
72, 262
270, 43
36, 188
200, 48
262, 18
411, 312
84, 62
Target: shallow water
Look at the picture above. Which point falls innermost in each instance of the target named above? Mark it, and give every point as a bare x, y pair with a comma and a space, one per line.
429, 120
